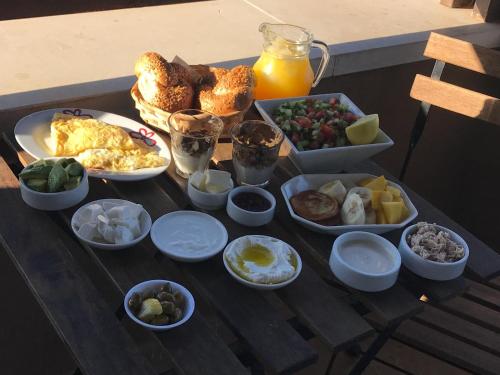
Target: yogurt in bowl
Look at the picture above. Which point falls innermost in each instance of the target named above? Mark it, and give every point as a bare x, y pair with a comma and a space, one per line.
365, 261
188, 236
262, 262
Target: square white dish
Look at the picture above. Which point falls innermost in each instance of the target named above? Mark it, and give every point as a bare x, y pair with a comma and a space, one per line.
326, 160
304, 182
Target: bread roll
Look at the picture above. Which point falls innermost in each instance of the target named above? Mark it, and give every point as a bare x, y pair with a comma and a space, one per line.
225, 91
164, 85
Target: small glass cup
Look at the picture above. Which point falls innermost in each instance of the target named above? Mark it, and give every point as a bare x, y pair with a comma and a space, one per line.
194, 134
256, 146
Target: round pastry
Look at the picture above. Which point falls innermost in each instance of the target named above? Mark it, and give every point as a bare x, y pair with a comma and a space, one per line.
315, 206
167, 74
168, 98
164, 85
225, 90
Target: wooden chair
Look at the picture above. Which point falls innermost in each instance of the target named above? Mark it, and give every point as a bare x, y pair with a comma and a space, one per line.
431, 91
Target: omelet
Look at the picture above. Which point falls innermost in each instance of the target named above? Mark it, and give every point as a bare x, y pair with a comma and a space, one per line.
120, 160
98, 145
71, 135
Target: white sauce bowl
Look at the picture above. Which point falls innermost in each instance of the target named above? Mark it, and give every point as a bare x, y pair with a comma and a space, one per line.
365, 261
430, 269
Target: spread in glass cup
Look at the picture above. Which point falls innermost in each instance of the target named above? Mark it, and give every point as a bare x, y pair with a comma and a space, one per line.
194, 134
256, 146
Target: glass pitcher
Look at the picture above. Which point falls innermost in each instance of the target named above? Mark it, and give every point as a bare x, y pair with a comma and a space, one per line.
283, 69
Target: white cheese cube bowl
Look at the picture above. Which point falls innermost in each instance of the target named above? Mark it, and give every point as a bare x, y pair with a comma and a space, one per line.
304, 182
362, 270
326, 160
144, 220
430, 269
55, 201
146, 286
261, 286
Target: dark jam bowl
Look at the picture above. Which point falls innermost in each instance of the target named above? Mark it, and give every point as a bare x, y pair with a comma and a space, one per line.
244, 207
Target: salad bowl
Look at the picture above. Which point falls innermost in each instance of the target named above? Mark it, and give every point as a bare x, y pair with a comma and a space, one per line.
328, 159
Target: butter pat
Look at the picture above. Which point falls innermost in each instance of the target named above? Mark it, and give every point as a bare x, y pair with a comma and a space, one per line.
211, 181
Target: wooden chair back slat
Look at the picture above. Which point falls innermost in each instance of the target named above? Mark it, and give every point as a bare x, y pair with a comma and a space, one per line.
464, 54
456, 99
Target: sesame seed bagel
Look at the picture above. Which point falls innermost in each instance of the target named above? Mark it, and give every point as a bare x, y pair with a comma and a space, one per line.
168, 98
226, 90
167, 74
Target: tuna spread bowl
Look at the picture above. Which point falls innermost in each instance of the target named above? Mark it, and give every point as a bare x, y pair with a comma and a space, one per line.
262, 262
433, 252
365, 261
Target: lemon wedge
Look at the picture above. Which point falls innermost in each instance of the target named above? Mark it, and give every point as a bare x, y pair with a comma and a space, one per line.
363, 131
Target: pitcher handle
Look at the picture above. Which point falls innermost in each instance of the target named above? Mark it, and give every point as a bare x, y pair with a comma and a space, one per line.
325, 58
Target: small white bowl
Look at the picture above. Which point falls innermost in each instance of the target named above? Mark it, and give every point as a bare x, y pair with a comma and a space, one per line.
250, 218
144, 219
208, 201
55, 201
146, 286
258, 285
430, 269
365, 261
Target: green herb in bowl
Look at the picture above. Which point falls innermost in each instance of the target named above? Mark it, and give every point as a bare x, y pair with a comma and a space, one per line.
52, 176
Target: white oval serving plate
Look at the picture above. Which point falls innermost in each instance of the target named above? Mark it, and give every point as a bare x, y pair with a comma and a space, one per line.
33, 135
304, 182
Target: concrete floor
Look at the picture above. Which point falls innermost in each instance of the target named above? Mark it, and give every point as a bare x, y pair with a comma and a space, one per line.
39, 53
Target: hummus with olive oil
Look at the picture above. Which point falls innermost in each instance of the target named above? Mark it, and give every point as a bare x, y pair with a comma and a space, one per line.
262, 259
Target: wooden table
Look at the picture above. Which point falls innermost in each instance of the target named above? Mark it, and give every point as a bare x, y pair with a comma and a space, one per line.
234, 329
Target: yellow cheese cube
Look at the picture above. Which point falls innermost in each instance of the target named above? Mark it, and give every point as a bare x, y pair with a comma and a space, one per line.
405, 212
380, 196
397, 199
393, 190
380, 217
379, 183
366, 181
392, 211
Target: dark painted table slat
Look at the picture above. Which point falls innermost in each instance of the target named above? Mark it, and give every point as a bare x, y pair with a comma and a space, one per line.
74, 306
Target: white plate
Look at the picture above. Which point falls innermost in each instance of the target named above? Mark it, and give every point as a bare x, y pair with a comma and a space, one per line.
176, 231
303, 182
326, 160
33, 135
260, 286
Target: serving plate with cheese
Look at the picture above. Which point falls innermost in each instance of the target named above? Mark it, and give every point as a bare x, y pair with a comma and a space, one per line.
339, 203
108, 145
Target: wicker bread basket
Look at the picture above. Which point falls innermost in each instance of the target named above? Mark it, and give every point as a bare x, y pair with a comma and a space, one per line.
158, 118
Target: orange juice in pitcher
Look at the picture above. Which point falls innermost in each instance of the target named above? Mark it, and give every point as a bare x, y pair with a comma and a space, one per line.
283, 68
